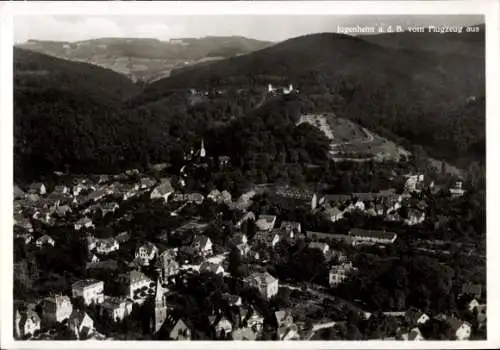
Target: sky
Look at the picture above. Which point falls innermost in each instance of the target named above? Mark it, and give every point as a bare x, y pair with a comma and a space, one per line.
262, 27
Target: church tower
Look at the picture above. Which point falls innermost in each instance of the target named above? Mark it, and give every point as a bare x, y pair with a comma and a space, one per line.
202, 150
160, 307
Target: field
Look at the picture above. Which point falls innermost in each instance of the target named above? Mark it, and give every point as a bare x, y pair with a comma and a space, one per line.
350, 141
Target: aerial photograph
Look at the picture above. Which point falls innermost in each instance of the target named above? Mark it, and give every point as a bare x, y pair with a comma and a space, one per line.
248, 177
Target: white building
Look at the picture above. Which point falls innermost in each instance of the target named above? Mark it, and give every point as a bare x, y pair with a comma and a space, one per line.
57, 308
91, 290
163, 190
116, 308
339, 273
145, 253
27, 323
80, 324
266, 222
84, 222
265, 283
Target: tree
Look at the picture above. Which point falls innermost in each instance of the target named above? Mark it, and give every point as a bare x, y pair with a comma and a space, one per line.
234, 262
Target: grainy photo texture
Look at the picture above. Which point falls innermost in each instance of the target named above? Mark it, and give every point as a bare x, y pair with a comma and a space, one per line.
249, 178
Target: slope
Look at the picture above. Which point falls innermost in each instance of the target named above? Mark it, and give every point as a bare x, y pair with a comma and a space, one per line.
66, 113
411, 94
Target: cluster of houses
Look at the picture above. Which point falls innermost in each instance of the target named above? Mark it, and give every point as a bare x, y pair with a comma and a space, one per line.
282, 90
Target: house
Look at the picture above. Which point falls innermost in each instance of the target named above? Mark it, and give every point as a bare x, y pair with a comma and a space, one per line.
458, 190
134, 281
145, 253
416, 317
266, 222
415, 217
177, 329
232, 299
381, 237
240, 238
116, 308
163, 190
92, 209
287, 329
37, 188
292, 227
45, 240
106, 246
80, 324
246, 333
145, 183
211, 267
265, 283
223, 161
246, 216
359, 205
203, 245
84, 222
61, 189
413, 335
323, 247
18, 193
91, 290
167, 265
252, 318
473, 304
27, 322
109, 207
99, 194
221, 324
339, 273
43, 214
56, 308
63, 210
103, 178
461, 329
270, 239
94, 258
333, 214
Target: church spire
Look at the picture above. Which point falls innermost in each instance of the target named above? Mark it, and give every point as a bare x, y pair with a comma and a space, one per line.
202, 150
160, 306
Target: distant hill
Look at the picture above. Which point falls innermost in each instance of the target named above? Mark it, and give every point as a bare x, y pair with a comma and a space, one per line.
146, 59
414, 95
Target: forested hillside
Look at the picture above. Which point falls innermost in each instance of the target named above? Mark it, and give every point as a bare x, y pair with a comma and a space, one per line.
84, 118
417, 95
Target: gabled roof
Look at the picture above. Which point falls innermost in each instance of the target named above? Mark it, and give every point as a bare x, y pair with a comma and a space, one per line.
85, 283
135, 276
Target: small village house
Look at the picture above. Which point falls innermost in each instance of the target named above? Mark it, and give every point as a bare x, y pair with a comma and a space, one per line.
265, 283
203, 245
27, 322
134, 281
339, 273
80, 324
45, 240
266, 222
324, 248
56, 308
461, 329
145, 253
37, 188
116, 308
163, 190
84, 222
91, 290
